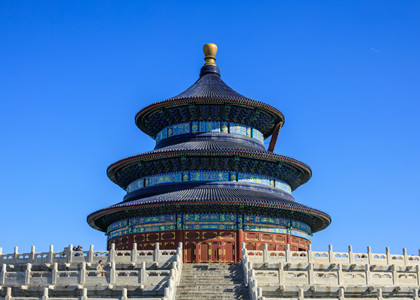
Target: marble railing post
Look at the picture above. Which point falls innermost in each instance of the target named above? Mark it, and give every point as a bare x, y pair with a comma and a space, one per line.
180, 255
388, 256
156, 254
174, 270
340, 274
15, 252
418, 274
301, 294
124, 294
28, 274
246, 267
84, 294
70, 254
51, 255
3, 274
265, 253
416, 293
134, 253
288, 254
91, 254
166, 294
281, 273
310, 274
394, 275
380, 296
341, 293
351, 255
142, 273
33, 253
8, 293
243, 250
54, 274
170, 288
369, 255
310, 258
405, 256
253, 286
112, 273
82, 274
330, 253
45, 294
368, 277
112, 253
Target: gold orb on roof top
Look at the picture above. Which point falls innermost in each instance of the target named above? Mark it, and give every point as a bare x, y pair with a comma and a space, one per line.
210, 51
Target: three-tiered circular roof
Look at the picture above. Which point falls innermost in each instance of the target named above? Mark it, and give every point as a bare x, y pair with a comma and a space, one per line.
209, 99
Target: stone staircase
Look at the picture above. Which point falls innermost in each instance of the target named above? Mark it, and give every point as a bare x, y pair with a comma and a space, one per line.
212, 281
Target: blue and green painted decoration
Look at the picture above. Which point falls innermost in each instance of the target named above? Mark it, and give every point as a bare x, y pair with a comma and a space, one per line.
208, 176
217, 221
209, 126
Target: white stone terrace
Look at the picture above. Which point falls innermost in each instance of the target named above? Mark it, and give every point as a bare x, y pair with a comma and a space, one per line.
72, 274
331, 275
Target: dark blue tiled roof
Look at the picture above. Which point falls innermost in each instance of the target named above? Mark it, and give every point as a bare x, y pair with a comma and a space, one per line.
210, 93
211, 141
210, 85
219, 195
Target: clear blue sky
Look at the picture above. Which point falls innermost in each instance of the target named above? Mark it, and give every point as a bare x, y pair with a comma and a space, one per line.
346, 74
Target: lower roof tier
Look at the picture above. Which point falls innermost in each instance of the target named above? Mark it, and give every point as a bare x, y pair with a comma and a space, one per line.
207, 198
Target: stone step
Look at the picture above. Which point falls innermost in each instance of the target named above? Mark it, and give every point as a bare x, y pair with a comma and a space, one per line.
205, 282
210, 271
212, 276
215, 295
212, 281
209, 267
218, 297
212, 296
227, 272
211, 287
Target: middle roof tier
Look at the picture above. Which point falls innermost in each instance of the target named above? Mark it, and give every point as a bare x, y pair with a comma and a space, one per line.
209, 156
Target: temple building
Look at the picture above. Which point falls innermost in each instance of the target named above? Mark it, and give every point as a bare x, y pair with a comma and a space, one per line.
209, 214
209, 183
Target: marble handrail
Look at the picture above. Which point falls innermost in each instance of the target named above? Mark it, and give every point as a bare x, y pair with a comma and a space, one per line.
90, 256
121, 269
299, 274
332, 257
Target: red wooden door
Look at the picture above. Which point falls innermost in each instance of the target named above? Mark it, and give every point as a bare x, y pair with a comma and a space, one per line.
216, 251
204, 252
229, 252
190, 252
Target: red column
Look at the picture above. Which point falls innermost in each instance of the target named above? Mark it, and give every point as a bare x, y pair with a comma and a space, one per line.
240, 240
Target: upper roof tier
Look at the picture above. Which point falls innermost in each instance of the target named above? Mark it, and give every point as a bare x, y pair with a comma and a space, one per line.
209, 99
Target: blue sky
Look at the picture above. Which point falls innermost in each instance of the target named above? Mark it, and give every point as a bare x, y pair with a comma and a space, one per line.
345, 74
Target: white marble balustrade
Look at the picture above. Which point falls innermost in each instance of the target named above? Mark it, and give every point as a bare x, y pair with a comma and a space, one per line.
90, 256
28, 273
309, 274
334, 257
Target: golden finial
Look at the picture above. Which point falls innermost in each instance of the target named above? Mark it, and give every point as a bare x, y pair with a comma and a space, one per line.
210, 51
